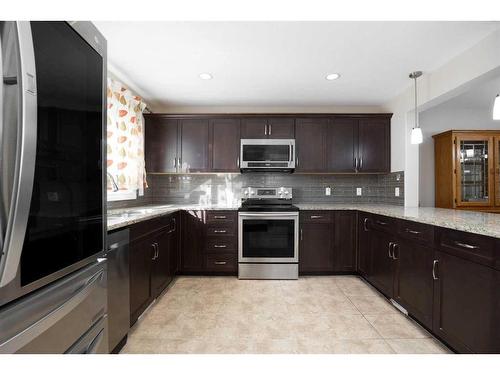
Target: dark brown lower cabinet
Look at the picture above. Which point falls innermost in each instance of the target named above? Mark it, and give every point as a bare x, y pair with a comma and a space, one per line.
141, 254
316, 240
345, 241
413, 284
466, 304
193, 241
382, 265
364, 245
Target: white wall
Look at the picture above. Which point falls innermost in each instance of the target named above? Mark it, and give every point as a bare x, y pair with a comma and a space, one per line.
437, 120
478, 63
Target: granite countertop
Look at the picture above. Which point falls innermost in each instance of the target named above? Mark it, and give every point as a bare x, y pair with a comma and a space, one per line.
467, 221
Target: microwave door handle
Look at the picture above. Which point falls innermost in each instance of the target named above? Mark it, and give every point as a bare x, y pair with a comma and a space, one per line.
26, 125
291, 153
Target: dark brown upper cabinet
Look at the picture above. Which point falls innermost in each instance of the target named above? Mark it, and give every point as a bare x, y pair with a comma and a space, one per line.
272, 127
194, 145
342, 145
310, 142
374, 145
225, 145
161, 144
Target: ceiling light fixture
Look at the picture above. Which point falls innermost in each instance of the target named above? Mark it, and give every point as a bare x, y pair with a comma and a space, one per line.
416, 136
496, 108
205, 76
332, 76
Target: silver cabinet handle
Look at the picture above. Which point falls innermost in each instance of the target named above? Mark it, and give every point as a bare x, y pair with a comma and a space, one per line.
270, 129
220, 217
154, 251
360, 163
238, 161
301, 234
466, 245
365, 224
220, 246
390, 249
355, 164
316, 216
380, 222
220, 231
394, 247
297, 160
220, 263
265, 129
412, 231
434, 274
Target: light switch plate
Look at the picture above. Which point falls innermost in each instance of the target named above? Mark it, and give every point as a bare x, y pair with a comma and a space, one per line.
359, 191
328, 190
396, 192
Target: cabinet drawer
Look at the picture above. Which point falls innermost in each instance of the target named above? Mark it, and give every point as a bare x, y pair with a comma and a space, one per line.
221, 244
383, 224
474, 247
316, 216
414, 231
221, 216
221, 262
222, 229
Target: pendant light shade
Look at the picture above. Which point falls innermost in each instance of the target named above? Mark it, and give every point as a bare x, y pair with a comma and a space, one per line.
496, 108
416, 136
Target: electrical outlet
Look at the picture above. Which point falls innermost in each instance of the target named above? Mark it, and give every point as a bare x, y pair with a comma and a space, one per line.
396, 192
328, 190
359, 191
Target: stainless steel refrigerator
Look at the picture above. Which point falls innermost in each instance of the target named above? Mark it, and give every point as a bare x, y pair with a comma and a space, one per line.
52, 188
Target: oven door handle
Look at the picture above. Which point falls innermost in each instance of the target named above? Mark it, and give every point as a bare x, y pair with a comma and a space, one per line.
268, 214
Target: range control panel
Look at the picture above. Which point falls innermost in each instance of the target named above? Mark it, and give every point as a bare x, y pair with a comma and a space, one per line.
266, 193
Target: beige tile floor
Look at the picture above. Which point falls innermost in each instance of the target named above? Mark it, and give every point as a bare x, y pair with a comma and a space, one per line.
333, 314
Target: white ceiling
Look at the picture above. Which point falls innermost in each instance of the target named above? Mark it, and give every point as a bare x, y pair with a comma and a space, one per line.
281, 63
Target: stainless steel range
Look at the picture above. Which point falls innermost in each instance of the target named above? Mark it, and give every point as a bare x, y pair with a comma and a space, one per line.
268, 227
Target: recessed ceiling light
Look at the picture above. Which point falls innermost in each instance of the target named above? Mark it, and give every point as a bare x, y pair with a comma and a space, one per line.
332, 76
205, 76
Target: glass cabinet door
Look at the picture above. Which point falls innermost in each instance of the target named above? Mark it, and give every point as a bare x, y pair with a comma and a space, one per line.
474, 178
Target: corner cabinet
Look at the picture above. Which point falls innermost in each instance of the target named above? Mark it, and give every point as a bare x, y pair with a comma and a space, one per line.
467, 170
326, 143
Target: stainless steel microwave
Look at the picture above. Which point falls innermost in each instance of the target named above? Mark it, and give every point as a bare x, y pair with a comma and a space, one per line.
267, 155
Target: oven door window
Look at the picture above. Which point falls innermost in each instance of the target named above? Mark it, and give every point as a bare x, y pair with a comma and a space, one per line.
268, 238
266, 153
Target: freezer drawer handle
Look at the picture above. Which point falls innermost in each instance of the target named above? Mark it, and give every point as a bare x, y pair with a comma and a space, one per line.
20, 340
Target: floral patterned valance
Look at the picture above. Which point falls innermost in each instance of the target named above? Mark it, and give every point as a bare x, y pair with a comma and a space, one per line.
125, 138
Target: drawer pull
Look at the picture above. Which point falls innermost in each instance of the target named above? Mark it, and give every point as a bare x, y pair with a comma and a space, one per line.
220, 231
220, 246
220, 263
466, 245
365, 224
412, 231
316, 216
380, 222
220, 217
434, 274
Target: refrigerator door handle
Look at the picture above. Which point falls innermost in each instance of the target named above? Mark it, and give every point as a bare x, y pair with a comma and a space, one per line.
25, 156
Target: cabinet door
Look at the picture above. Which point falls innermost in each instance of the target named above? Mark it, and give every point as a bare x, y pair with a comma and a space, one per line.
160, 272
466, 305
253, 128
497, 171
374, 145
310, 141
381, 263
475, 178
174, 245
225, 144
194, 145
364, 245
281, 128
161, 136
413, 283
316, 247
193, 241
342, 145
345, 241
141, 254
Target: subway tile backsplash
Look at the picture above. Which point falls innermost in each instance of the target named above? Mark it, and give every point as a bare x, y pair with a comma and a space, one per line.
307, 188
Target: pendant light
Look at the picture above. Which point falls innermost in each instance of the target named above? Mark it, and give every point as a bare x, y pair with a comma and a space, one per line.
496, 108
416, 133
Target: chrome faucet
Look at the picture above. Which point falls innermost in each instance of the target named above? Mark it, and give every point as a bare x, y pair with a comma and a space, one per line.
113, 182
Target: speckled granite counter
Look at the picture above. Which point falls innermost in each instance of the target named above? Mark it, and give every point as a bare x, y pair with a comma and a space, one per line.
122, 217
468, 221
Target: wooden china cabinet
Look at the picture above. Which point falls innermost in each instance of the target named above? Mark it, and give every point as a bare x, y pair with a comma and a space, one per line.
467, 170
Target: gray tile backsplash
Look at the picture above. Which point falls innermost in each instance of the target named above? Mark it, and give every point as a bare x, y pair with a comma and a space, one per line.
225, 188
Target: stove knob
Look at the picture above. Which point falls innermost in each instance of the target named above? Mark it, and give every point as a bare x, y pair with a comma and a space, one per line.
246, 192
286, 192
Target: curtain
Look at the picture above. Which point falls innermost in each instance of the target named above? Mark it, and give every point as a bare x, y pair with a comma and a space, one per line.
125, 138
